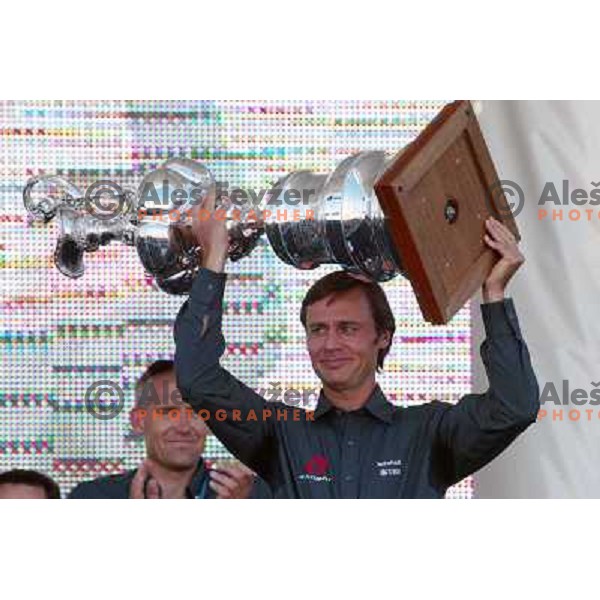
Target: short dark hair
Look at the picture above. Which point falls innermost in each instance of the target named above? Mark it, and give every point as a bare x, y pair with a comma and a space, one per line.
158, 367
33, 478
341, 281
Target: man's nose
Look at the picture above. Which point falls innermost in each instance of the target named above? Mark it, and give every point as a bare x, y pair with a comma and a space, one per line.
183, 421
331, 340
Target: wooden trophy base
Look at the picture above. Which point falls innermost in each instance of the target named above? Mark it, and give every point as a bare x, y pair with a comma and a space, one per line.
436, 196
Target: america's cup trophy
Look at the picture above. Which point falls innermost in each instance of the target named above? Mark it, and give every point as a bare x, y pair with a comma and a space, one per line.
420, 214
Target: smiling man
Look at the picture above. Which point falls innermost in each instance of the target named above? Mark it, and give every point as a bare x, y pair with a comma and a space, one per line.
349, 327
357, 444
174, 437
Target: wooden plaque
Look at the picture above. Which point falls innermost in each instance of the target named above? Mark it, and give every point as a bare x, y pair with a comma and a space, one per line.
436, 195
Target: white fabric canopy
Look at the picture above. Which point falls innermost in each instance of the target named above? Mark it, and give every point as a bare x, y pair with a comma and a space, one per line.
557, 294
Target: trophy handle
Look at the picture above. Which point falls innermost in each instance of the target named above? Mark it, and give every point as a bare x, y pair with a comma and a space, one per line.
68, 257
45, 208
81, 232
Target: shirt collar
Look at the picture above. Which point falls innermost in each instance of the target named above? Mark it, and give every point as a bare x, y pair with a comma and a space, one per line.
377, 404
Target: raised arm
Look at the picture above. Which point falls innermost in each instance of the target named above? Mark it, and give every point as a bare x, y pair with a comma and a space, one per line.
480, 426
471, 433
235, 411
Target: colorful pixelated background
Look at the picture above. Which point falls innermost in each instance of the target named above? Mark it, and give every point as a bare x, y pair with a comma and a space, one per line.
58, 336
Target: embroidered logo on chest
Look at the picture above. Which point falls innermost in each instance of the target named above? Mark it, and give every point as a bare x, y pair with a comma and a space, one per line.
389, 468
316, 469
317, 465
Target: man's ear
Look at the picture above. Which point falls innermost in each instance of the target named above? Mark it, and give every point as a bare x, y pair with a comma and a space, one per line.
385, 338
137, 417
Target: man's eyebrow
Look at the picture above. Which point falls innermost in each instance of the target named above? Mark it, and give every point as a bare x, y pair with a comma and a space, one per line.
340, 322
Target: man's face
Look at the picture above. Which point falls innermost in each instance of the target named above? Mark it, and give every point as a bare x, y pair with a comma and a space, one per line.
342, 340
174, 436
22, 491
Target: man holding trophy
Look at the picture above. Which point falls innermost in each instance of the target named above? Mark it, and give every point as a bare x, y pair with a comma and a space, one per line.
356, 444
433, 213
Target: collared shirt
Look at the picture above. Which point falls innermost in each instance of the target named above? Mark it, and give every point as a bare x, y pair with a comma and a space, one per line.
378, 451
117, 487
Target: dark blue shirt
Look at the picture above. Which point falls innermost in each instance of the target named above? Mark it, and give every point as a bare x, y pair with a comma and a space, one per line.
379, 451
117, 487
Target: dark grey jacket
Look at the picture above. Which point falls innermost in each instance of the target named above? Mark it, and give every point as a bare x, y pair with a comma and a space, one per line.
379, 451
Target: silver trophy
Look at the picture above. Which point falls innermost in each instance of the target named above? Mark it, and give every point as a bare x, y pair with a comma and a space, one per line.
420, 213
309, 219
343, 223
155, 219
